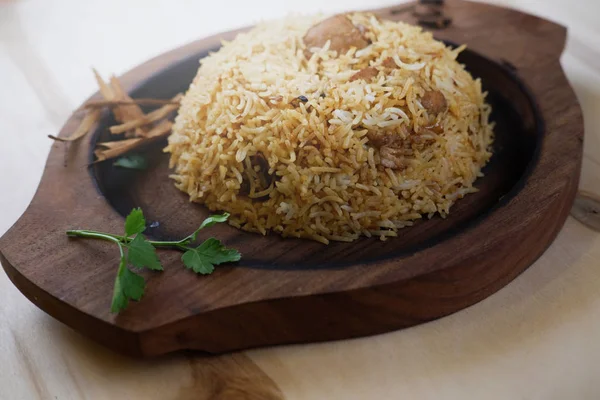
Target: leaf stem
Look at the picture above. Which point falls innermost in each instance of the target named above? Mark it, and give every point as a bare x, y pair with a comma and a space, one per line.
137, 250
85, 233
177, 244
96, 235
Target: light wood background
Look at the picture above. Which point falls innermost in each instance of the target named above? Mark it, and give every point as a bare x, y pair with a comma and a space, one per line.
538, 338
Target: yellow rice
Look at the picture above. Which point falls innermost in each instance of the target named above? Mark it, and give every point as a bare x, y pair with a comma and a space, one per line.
328, 182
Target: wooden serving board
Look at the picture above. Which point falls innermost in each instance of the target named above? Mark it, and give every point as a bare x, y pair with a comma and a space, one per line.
290, 290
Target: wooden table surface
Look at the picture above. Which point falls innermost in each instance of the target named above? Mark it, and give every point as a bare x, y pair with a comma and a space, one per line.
538, 338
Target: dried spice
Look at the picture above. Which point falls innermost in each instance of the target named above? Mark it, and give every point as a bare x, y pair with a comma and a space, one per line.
123, 113
141, 101
366, 74
149, 118
296, 102
108, 150
137, 127
90, 119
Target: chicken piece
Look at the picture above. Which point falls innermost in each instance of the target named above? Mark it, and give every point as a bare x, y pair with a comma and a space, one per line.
387, 138
264, 178
419, 142
379, 139
366, 73
393, 148
389, 63
393, 157
434, 102
339, 30
397, 148
362, 29
261, 178
435, 128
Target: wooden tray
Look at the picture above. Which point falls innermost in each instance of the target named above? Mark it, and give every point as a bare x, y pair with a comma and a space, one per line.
292, 291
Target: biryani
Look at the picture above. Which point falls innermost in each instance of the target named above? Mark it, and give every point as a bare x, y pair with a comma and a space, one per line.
331, 128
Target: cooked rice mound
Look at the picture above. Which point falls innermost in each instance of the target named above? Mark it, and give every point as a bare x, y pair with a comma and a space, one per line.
331, 138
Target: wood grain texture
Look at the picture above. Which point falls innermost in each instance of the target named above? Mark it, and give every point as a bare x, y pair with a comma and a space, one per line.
228, 377
245, 307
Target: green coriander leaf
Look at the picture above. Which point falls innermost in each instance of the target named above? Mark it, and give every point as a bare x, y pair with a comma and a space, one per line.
139, 252
132, 161
135, 222
210, 221
202, 259
143, 254
128, 286
214, 219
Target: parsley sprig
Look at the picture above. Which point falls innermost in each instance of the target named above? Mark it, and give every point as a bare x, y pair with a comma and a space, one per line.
136, 250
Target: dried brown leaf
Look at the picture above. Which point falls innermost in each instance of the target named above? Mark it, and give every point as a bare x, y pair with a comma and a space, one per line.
140, 101
163, 128
105, 90
109, 95
90, 119
108, 150
149, 118
127, 113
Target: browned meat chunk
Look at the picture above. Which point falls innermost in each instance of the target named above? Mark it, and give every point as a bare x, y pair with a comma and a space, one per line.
264, 178
392, 157
261, 178
362, 29
388, 137
379, 139
389, 63
419, 142
434, 101
393, 149
435, 128
376, 139
397, 149
339, 30
366, 73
